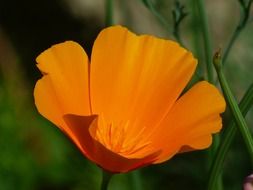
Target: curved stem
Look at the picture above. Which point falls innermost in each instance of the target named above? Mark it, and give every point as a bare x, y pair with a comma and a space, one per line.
160, 18
106, 179
227, 139
136, 180
109, 13
196, 32
207, 40
163, 22
231, 43
239, 119
209, 69
242, 23
177, 36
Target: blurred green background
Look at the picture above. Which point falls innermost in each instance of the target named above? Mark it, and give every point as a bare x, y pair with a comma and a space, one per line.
34, 155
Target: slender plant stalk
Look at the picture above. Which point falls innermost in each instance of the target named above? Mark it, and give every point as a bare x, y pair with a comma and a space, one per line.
163, 21
227, 139
195, 30
105, 180
178, 14
136, 180
207, 40
209, 69
231, 43
239, 119
159, 17
109, 21
177, 36
242, 23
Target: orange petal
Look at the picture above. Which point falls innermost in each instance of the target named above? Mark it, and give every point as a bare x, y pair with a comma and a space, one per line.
64, 86
191, 121
47, 102
80, 127
136, 79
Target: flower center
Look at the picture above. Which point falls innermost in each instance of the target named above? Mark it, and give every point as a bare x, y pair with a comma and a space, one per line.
117, 138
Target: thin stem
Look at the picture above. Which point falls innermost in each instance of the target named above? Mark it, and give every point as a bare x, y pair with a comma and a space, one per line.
160, 18
136, 180
207, 40
109, 13
200, 5
177, 36
195, 30
211, 157
242, 23
227, 139
106, 179
240, 121
163, 21
231, 43
178, 14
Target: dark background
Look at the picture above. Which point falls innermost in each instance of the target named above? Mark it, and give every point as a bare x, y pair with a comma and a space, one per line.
36, 155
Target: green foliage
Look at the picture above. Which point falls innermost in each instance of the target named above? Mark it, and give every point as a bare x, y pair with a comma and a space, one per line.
34, 154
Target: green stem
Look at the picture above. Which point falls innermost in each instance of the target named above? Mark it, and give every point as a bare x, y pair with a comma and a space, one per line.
231, 43
240, 121
160, 18
227, 139
106, 179
214, 147
242, 23
195, 30
177, 36
207, 40
200, 6
211, 157
109, 13
163, 21
136, 180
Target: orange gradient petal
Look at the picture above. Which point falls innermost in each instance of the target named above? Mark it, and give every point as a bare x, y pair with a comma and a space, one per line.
135, 80
63, 88
131, 114
191, 121
108, 160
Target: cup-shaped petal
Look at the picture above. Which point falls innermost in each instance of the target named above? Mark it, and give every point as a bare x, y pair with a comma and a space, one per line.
125, 111
135, 80
103, 157
63, 89
191, 121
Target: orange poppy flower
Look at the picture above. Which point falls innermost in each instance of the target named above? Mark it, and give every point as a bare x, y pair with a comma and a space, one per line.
123, 109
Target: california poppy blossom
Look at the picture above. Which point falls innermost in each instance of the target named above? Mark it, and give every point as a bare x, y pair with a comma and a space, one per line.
123, 108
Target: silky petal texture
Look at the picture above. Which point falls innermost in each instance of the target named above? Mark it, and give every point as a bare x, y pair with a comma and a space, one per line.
63, 88
131, 114
105, 158
135, 80
191, 121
